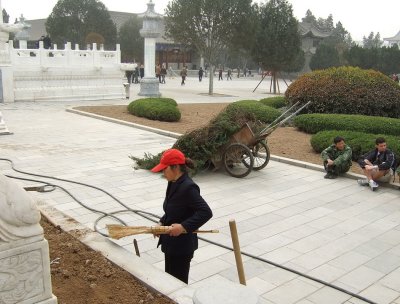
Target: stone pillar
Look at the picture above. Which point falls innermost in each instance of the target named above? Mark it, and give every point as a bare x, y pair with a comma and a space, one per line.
149, 85
3, 127
24, 253
6, 71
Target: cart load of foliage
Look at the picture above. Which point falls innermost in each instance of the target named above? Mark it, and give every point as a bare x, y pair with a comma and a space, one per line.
347, 90
201, 144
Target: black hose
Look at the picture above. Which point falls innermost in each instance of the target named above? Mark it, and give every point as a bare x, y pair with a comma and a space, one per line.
145, 215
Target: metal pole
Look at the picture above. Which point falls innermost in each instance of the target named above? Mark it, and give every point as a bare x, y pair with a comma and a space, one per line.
236, 250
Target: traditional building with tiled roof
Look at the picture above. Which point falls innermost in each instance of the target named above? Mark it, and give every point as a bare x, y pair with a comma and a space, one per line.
393, 40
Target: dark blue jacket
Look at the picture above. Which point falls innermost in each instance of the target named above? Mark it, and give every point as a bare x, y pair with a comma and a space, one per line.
384, 161
183, 205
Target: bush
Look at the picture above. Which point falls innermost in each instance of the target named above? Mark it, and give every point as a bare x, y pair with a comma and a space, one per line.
313, 123
163, 109
347, 90
359, 142
274, 102
261, 112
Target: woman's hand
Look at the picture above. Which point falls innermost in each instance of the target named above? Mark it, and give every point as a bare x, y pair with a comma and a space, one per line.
176, 230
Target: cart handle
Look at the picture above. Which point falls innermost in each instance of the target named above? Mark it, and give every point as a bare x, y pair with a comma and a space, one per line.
268, 130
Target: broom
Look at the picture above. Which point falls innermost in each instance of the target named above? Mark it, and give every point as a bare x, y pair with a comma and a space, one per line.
120, 231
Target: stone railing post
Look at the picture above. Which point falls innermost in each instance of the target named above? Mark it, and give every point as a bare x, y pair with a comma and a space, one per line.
24, 253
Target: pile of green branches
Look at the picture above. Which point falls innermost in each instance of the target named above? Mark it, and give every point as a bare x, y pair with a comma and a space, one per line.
201, 144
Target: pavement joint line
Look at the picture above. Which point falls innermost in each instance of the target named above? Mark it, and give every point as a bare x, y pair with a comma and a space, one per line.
281, 159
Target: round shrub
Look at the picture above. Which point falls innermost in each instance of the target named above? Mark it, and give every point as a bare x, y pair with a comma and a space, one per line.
359, 142
276, 102
313, 123
163, 109
347, 90
261, 112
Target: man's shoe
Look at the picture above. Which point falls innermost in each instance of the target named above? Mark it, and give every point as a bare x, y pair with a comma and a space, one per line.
333, 176
362, 182
328, 175
373, 185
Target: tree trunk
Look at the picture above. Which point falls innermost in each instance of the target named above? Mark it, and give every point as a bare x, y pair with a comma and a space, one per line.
274, 81
211, 81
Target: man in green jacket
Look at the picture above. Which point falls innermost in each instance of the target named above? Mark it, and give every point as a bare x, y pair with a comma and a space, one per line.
337, 158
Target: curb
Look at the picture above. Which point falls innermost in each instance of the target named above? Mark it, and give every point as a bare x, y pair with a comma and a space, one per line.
152, 277
281, 159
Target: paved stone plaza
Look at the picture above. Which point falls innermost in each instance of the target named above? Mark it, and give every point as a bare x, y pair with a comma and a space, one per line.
333, 230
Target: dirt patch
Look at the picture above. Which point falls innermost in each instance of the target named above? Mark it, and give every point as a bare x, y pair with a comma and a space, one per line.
286, 141
80, 275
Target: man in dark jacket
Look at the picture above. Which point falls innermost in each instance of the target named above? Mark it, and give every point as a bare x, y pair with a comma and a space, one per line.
377, 165
337, 158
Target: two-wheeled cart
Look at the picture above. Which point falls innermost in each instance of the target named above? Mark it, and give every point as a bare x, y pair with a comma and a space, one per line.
247, 151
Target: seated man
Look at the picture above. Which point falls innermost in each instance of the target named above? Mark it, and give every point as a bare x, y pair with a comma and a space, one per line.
377, 165
337, 158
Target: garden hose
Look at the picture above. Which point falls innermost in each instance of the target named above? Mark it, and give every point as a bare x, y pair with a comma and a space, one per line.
47, 187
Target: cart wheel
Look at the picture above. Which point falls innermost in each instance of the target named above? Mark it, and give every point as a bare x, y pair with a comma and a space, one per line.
261, 155
238, 160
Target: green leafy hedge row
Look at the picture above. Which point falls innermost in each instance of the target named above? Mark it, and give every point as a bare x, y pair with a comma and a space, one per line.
276, 102
313, 123
346, 90
359, 142
163, 109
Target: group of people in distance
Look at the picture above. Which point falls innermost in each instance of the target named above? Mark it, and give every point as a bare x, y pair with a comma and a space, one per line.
378, 165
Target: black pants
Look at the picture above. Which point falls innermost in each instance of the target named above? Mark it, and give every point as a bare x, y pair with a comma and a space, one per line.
178, 266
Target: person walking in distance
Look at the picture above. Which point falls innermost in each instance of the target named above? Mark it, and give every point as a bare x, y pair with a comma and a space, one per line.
220, 74
185, 211
183, 75
163, 73
201, 72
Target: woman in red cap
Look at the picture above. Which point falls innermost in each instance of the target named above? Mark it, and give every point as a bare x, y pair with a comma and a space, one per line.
185, 211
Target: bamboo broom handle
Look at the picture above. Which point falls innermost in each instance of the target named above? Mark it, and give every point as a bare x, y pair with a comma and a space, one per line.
236, 250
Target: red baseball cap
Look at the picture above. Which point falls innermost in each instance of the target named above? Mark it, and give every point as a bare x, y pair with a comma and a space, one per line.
170, 157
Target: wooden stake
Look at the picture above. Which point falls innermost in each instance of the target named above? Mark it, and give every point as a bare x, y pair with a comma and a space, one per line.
135, 244
236, 250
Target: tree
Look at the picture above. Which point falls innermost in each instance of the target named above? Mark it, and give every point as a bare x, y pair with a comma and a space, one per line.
326, 56
6, 16
373, 41
209, 26
309, 18
277, 39
73, 20
132, 44
325, 25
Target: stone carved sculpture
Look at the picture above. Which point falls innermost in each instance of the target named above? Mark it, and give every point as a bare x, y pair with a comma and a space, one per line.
20, 277
19, 217
24, 253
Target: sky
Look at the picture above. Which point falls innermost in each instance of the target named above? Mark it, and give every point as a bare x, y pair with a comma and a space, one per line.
359, 17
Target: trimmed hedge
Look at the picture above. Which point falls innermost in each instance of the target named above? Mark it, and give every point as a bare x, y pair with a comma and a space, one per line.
346, 90
163, 109
359, 142
261, 112
313, 123
276, 102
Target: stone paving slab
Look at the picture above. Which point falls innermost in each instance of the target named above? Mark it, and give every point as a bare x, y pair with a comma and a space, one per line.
331, 229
